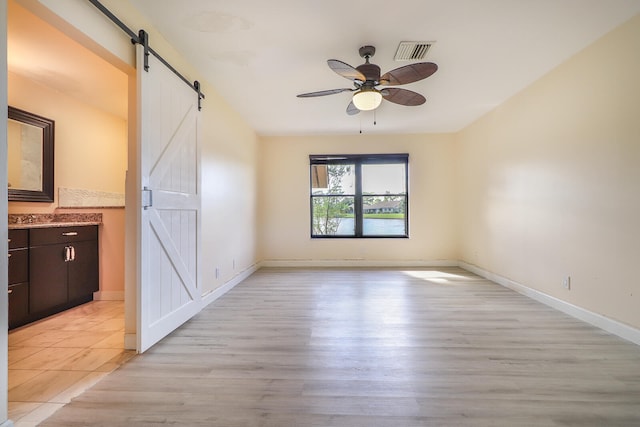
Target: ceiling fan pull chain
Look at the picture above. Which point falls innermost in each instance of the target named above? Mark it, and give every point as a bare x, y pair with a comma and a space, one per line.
374, 118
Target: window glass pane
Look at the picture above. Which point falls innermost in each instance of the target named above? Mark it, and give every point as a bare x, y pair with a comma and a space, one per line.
384, 215
332, 216
333, 179
383, 179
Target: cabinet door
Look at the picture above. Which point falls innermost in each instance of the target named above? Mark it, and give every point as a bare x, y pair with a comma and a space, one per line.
18, 304
83, 271
18, 266
47, 277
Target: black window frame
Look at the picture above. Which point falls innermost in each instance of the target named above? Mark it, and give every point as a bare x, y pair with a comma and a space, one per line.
358, 160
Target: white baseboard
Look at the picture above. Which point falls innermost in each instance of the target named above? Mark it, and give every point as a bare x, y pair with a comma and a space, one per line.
108, 296
7, 423
302, 263
226, 287
620, 329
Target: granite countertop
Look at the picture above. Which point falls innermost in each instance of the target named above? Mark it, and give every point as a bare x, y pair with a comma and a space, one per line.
17, 221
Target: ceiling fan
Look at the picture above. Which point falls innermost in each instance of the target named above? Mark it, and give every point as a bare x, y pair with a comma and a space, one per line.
366, 78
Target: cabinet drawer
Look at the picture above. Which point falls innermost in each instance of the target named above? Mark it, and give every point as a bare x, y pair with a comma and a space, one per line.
18, 305
18, 266
18, 238
53, 235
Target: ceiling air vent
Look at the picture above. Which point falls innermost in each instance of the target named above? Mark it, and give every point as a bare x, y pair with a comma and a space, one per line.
409, 51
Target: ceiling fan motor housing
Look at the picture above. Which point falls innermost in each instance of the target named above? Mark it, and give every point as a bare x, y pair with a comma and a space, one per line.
370, 71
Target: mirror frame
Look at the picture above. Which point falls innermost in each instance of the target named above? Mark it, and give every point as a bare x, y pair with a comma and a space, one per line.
48, 136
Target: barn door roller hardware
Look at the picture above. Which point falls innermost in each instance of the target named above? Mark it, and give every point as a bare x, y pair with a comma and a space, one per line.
143, 38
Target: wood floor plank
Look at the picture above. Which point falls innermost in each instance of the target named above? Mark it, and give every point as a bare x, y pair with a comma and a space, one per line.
371, 347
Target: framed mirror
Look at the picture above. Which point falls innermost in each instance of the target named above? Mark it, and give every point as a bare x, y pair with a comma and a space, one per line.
30, 145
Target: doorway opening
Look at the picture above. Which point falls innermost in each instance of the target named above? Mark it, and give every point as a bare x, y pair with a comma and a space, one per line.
52, 75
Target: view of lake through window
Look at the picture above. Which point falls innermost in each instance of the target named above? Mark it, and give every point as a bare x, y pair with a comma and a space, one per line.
359, 195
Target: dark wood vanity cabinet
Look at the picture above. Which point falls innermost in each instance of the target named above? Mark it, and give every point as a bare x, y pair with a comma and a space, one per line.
18, 278
63, 268
51, 269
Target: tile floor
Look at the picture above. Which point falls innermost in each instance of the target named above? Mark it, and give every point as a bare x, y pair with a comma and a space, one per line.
57, 358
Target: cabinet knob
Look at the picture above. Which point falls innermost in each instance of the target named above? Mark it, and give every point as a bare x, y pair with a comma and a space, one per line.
8, 255
10, 291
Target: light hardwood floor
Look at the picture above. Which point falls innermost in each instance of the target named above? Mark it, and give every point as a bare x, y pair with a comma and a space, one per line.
56, 359
384, 347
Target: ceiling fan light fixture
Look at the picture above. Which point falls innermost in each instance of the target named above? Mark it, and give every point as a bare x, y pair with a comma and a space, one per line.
366, 77
367, 99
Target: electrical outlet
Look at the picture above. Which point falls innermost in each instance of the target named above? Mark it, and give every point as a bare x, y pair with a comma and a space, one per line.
566, 282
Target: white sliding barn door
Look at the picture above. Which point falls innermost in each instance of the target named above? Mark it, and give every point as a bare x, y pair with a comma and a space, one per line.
169, 290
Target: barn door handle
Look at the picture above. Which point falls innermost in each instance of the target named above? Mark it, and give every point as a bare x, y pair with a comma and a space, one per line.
147, 198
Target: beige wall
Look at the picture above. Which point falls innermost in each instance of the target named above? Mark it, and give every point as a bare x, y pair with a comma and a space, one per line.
90, 153
90, 144
229, 193
550, 181
284, 199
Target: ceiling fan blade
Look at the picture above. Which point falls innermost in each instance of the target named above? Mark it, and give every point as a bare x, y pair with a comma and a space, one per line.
352, 110
409, 73
403, 96
323, 93
346, 70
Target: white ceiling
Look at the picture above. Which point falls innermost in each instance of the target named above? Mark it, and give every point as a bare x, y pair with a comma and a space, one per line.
260, 54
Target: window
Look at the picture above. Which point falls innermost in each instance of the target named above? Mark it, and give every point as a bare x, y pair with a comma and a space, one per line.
359, 195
